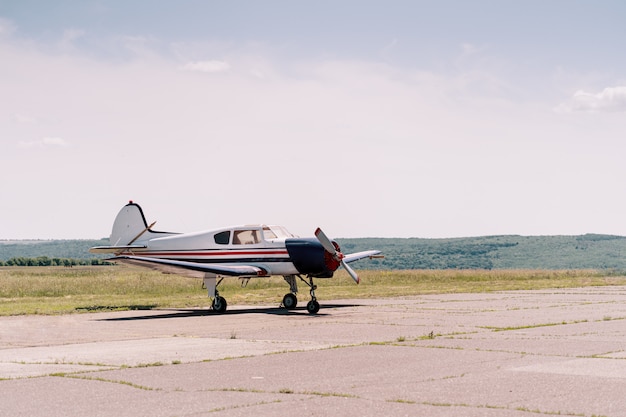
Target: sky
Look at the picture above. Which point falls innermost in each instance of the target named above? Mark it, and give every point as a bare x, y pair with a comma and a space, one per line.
390, 118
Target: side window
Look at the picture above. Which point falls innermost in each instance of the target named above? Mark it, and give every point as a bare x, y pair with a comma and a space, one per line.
222, 238
245, 237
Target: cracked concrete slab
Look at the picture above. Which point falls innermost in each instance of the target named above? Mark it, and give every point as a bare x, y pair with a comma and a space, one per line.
516, 353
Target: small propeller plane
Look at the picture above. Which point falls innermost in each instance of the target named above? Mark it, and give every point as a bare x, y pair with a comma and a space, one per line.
251, 251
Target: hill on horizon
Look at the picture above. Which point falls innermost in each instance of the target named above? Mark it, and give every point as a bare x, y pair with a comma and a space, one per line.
589, 251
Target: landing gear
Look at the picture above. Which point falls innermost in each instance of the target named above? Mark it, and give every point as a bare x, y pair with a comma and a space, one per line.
219, 304
290, 301
210, 282
313, 307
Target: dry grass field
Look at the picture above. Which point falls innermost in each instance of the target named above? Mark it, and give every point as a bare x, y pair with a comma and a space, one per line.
61, 290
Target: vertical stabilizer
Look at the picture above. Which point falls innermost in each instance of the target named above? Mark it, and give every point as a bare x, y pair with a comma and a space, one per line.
130, 225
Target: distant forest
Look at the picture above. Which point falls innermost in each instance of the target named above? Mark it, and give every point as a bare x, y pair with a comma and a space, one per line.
49, 252
590, 251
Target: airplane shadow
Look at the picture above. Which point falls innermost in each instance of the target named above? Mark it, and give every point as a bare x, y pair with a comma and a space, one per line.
185, 313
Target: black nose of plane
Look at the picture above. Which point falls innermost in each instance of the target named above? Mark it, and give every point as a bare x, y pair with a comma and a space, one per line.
310, 258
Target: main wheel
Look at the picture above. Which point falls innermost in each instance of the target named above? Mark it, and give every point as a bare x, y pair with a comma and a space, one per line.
219, 304
313, 307
290, 301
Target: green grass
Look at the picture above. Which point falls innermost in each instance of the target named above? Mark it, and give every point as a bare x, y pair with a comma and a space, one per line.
60, 290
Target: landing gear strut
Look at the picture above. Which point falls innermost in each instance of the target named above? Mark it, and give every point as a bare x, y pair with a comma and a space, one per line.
219, 303
312, 306
290, 300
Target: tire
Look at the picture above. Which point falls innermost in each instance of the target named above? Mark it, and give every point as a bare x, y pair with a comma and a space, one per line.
219, 304
313, 307
290, 301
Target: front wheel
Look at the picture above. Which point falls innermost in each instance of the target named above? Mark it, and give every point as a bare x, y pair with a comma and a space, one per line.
219, 304
313, 307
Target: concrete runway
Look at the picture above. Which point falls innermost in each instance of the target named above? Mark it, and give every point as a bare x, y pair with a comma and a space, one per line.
522, 353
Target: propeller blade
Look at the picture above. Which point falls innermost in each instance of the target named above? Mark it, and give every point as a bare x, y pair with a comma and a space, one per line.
325, 241
353, 274
330, 248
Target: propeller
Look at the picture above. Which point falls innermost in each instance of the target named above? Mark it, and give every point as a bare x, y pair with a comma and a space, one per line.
338, 256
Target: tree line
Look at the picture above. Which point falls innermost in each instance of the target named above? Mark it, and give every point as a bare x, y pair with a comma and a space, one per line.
46, 261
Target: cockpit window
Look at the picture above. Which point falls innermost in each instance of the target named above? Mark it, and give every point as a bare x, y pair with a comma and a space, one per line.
246, 237
275, 232
281, 231
222, 238
268, 234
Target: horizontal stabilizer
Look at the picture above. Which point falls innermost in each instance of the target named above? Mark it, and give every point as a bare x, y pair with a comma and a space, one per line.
115, 249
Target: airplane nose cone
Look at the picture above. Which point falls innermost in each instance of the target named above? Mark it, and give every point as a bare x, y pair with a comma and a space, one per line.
310, 258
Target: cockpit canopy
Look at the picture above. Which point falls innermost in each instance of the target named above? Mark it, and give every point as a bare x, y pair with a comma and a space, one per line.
250, 235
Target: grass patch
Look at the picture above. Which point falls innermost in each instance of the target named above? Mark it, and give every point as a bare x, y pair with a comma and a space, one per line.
58, 290
130, 384
531, 326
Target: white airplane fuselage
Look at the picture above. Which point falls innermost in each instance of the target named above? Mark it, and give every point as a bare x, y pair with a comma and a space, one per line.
257, 245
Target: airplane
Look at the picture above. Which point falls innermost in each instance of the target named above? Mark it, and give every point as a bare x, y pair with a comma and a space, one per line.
246, 252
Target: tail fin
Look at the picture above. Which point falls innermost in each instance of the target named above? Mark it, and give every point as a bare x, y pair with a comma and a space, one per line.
129, 225
130, 229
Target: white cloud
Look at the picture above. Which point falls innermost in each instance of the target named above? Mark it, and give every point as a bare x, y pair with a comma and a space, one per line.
7, 27
611, 99
469, 49
70, 36
54, 142
207, 66
47, 142
24, 119
139, 47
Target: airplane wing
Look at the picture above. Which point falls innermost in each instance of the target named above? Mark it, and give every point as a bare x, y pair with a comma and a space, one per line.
360, 255
190, 269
